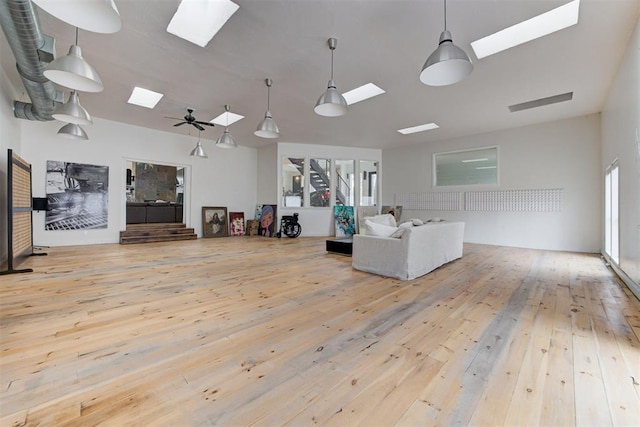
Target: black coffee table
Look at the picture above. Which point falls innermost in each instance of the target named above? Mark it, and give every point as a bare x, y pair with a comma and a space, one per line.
340, 245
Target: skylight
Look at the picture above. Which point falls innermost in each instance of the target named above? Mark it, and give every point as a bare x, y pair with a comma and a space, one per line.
144, 97
531, 29
198, 21
419, 128
227, 118
361, 93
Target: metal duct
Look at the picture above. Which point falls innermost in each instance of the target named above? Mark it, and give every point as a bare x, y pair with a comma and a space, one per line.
22, 29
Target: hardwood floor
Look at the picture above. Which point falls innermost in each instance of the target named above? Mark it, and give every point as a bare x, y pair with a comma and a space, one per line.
254, 331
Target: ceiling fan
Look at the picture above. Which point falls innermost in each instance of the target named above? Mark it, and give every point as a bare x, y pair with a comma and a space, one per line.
190, 119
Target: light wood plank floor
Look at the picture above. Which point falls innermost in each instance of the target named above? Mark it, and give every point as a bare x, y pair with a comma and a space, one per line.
254, 331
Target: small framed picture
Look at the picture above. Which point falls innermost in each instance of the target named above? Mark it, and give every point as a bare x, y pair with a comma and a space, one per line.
214, 222
236, 221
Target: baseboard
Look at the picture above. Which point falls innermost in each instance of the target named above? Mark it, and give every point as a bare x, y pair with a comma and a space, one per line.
631, 284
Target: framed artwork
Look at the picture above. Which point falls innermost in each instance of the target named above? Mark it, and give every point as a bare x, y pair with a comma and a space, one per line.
267, 225
396, 211
345, 221
214, 222
236, 221
77, 196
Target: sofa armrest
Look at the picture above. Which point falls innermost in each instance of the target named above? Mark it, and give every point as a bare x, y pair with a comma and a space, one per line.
386, 256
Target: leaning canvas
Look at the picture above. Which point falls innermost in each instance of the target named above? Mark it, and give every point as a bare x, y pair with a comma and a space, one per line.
344, 220
236, 221
267, 225
396, 211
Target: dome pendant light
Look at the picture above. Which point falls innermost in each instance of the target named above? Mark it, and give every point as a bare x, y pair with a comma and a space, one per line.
331, 102
448, 64
226, 140
268, 128
198, 151
72, 112
73, 131
98, 16
74, 72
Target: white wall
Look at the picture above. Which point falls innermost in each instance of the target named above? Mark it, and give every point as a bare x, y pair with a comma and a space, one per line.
316, 221
562, 154
227, 178
10, 135
621, 141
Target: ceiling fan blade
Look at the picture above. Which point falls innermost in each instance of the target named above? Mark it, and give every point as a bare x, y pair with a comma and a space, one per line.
197, 126
204, 123
174, 118
180, 124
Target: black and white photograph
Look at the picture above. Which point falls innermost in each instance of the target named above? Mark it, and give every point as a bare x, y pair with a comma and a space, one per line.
77, 196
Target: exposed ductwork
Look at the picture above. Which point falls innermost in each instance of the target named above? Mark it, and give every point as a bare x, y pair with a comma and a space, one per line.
32, 50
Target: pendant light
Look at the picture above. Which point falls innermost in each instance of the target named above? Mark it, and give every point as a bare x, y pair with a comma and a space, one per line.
72, 112
331, 102
268, 128
73, 131
73, 71
226, 140
198, 151
98, 16
448, 64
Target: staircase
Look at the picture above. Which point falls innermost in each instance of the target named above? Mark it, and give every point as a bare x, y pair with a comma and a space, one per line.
158, 232
318, 178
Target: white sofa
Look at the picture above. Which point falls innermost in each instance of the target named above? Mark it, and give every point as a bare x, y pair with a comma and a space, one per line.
418, 251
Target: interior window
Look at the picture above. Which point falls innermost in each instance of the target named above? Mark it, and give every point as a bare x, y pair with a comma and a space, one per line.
293, 181
320, 182
345, 183
611, 231
368, 183
468, 167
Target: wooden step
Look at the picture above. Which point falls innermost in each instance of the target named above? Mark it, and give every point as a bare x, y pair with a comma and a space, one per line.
159, 232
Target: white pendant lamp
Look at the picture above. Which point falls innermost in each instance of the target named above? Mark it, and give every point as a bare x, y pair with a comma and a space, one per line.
72, 112
268, 127
226, 140
73, 131
198, 151
98, 16
331, 102
73, 71
448, 64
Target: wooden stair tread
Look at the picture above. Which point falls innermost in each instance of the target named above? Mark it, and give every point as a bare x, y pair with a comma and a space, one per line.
157, 232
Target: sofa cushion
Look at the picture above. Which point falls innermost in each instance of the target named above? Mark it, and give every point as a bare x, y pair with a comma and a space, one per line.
385, 219
380, 230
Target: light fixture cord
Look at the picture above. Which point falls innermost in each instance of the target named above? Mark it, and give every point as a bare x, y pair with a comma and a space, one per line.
76, 36
268, 96
445, 15
332, 63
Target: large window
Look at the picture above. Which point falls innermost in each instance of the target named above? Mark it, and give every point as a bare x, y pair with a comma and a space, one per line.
368, 183
293, 182
468, 167
611, 224
345, 183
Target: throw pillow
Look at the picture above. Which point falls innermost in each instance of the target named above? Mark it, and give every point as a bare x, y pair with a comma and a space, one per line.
398, 233
407, 224
417, 222
386, 219
380, 230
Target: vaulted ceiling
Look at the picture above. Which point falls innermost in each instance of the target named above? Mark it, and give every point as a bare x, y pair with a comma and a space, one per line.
381, 41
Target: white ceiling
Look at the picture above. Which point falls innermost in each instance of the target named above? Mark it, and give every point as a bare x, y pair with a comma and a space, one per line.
381, 41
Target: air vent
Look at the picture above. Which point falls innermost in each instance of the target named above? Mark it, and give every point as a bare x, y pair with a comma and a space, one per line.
541, 102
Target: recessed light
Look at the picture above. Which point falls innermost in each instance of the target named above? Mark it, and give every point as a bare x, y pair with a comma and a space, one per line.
361, 93
144, 97
199, 21
227, 118
419, 128
531, 29
541, 102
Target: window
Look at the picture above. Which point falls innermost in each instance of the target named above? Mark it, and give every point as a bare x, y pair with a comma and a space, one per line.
611, 218
345, 183
468, 167
368, 183
320, 182
292, 182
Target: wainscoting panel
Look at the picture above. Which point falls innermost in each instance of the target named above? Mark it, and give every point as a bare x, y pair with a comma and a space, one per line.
545, 200
436, 201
